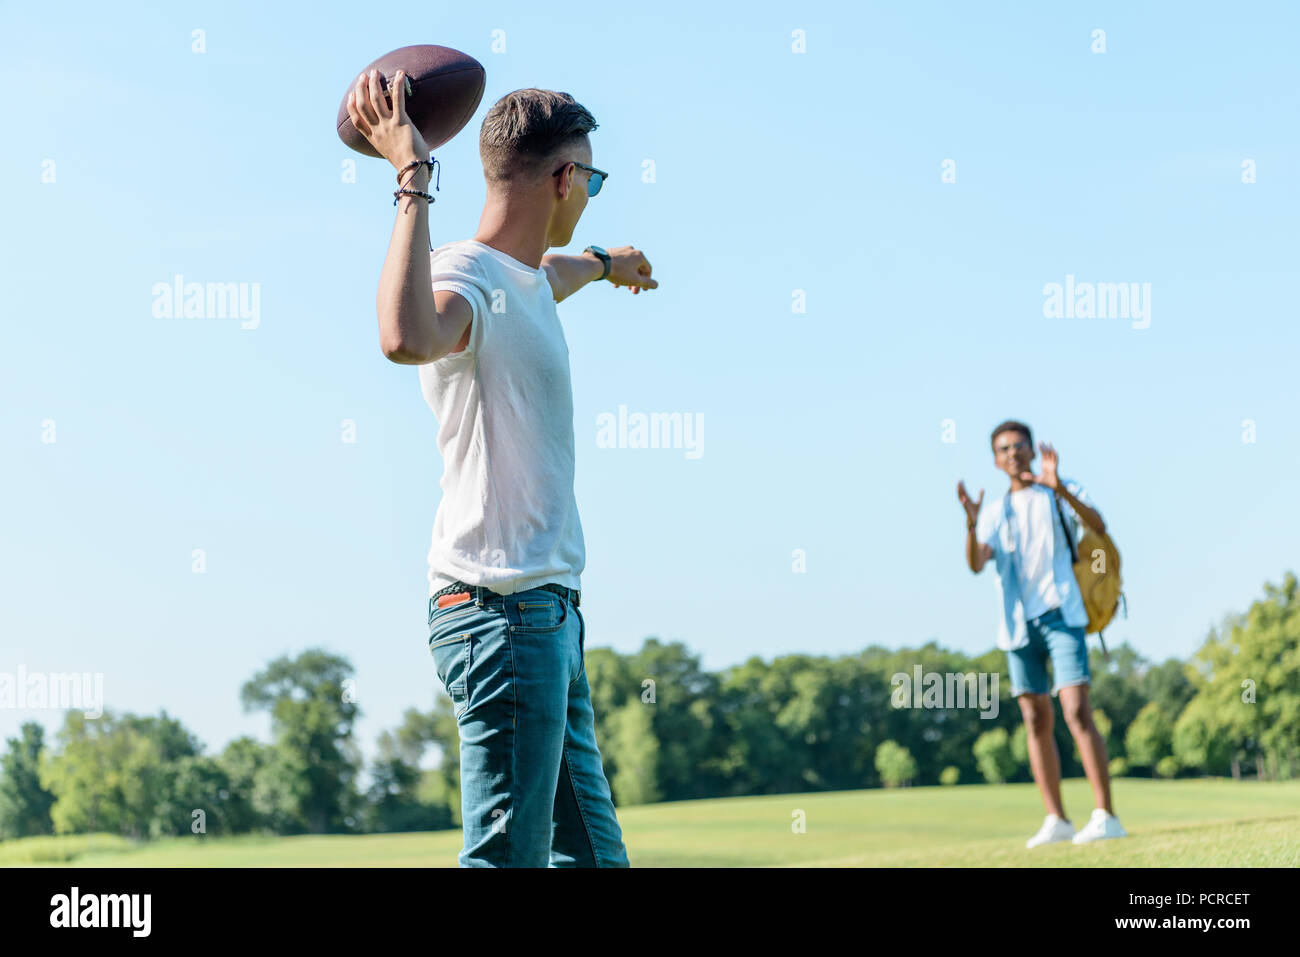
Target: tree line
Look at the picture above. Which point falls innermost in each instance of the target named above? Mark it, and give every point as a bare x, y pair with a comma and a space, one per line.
668, 731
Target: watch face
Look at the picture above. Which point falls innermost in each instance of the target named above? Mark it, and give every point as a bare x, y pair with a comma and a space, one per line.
598, 251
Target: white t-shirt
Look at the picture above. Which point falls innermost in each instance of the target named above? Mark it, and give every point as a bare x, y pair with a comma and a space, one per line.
1035, 527
508, 519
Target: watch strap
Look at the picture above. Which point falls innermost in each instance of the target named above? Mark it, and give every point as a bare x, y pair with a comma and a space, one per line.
603, 256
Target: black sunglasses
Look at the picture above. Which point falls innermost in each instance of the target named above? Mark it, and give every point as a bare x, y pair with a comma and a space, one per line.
594, 182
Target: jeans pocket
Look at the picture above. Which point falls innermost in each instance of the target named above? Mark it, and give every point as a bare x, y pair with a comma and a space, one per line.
453, 658
442, 617
536, 615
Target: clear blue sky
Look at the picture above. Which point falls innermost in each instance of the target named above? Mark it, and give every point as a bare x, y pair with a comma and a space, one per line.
775, 171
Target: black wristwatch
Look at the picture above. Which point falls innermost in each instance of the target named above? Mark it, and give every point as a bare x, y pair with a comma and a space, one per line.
602, 256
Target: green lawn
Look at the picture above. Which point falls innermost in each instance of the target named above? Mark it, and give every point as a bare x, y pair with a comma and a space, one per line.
1171, 823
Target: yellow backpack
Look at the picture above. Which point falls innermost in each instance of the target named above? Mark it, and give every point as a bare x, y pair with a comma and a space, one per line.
1096, 569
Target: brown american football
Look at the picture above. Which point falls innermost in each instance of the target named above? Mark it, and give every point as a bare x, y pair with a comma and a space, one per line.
445, 89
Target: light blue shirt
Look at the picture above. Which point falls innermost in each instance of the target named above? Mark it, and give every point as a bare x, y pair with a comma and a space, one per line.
996, 528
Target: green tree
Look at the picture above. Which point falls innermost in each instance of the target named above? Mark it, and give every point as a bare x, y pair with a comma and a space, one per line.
241, 761
1168, 685
1149, 737
993, 755
635, 749
757, 755
1247, 681
1268, 647
1117, 688
1020, 746
313, 769
393, 802
1199, 742
281, 790
159, 749
1105, 729
681, 718
442, 785
196, 800
398, 798
84, 775
112, 773
938, 736
24, 803
895, 764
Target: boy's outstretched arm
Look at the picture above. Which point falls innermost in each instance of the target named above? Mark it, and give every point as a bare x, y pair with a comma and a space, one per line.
567, 274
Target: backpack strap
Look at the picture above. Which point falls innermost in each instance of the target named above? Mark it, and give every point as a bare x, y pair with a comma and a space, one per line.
1074, 560
1065, 527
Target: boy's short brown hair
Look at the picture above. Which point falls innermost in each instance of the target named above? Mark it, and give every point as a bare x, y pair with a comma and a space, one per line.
525, 129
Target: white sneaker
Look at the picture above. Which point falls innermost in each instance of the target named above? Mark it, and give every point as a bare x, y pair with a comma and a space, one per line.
1100, 826
1053, 831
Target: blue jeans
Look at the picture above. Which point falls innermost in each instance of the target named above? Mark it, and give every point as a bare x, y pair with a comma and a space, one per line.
532, 788
1049, 638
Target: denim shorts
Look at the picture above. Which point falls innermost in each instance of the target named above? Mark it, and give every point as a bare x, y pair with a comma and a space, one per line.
1049, 637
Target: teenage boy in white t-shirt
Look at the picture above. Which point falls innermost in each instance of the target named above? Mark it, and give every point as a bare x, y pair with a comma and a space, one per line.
1043, 618
478, 318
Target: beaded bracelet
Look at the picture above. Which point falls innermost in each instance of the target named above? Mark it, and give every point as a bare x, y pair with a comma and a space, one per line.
416, 164
398, 194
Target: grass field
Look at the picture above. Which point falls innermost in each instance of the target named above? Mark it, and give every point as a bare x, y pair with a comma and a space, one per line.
1187, 823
